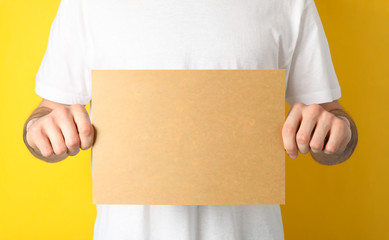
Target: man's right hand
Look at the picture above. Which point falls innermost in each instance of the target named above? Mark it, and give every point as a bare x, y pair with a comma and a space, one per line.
63, 131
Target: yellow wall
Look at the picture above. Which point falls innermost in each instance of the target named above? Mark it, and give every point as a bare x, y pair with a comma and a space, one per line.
350, 200
37, 200
347, 201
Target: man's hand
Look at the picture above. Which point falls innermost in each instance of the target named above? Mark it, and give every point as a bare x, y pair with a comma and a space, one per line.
61, 132
313, 128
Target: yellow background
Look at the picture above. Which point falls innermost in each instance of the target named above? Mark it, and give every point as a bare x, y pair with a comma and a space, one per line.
347, 201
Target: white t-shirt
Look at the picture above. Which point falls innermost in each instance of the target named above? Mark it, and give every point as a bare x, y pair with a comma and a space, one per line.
196, 34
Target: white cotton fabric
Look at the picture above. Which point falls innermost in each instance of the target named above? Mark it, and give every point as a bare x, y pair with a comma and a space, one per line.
187, 34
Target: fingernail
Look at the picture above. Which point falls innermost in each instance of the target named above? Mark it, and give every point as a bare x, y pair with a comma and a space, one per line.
292, 155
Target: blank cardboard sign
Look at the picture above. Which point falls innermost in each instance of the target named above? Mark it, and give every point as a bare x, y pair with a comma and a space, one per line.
188, 137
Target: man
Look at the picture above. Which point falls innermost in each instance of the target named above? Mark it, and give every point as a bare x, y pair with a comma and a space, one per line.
201, 34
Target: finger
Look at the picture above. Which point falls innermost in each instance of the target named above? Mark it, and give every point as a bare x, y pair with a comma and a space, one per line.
56, 138
32, 134
290, 128
42, 143
304, 133
69, 131
320, 134
84, 126
337, 137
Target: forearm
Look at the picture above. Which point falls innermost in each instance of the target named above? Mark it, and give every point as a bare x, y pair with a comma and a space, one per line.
38, 113
335, 158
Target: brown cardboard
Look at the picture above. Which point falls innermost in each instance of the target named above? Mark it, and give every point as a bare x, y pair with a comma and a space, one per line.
188, 137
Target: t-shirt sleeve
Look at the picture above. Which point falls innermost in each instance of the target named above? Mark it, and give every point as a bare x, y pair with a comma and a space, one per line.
64, 75
311, 74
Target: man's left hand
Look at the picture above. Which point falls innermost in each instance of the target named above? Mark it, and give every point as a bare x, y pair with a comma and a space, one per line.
313, 128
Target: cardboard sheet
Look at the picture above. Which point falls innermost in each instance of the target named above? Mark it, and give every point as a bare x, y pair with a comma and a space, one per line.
188, 137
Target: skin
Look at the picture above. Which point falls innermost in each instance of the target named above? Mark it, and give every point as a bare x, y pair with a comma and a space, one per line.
325, 130
57, 131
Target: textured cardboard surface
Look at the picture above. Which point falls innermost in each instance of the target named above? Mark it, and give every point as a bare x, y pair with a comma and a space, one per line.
188, 137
